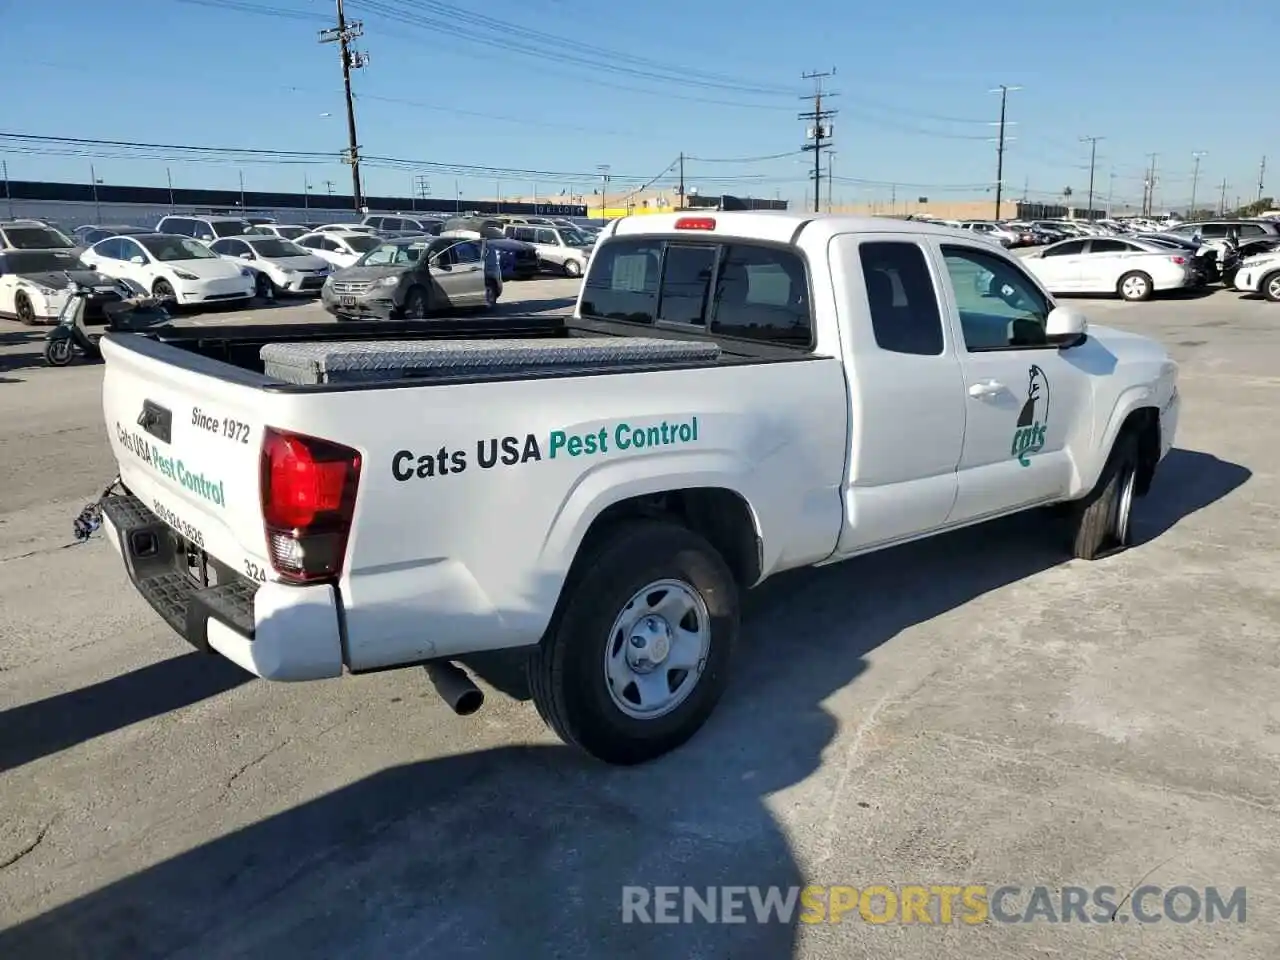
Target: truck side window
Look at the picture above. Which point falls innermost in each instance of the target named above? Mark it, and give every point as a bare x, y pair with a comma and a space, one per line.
902, 299
762, 293
686, 281
1000, 307
623, 281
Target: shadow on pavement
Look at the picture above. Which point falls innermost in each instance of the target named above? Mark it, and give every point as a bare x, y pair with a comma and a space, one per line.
1187, 481
38, 729
524, 851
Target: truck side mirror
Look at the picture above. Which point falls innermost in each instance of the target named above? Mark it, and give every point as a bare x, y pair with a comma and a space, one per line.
1065, 328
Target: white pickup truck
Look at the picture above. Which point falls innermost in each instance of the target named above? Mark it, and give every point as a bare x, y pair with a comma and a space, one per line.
856, 384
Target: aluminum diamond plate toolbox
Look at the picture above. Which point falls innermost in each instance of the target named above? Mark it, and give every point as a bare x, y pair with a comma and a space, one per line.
339, 362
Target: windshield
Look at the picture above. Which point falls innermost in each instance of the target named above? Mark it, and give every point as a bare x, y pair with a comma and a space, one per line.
36, 238
393, 255
573, 238
270, 247
361, 244
166, 249
290, 233
42, 261
230, 228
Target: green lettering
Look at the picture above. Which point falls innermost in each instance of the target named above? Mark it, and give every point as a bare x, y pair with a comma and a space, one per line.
622, 436
575, 445
558, 439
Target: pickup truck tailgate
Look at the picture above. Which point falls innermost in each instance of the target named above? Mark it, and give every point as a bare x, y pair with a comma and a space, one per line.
188, 446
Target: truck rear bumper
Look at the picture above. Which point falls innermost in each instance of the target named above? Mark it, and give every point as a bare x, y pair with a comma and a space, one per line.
273, 630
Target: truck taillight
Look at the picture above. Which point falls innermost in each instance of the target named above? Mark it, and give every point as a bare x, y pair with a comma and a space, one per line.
308, 488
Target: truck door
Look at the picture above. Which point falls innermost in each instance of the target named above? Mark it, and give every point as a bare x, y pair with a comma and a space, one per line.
906, 392
1023, 396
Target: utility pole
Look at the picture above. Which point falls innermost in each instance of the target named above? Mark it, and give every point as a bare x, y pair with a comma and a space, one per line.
328, 185
1195, 180
604, 189
343, 34
242, 206
421, 189
1003, 90
680, 192
1093, 159
1222, 199
821, 131
306, 193
1262, 179
97, 207
1111, 188
7, 194
1149, 191
168, 175
831, 176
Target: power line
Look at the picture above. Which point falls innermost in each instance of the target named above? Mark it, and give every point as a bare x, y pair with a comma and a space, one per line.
771, 156
820, 131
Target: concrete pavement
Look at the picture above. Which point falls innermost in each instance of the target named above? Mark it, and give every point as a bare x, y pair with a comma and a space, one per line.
973, 710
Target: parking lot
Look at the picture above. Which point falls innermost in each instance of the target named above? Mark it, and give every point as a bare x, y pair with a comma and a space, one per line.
969, 710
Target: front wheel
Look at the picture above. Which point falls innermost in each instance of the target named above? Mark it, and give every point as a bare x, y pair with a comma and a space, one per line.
264, 287
1270, 286
25, 311
1135, 286
639, 651
572, 269
415, 304
163, 290
1103, 520
58, 353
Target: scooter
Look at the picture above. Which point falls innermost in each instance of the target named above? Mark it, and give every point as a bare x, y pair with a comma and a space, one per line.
70, 333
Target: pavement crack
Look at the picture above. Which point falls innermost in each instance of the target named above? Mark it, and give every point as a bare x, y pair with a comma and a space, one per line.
28, 848
249, 765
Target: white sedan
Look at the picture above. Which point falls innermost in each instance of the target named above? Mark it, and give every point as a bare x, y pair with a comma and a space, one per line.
1133, 269
1260, 274
342, 248
171, 267
279, 266
34, 284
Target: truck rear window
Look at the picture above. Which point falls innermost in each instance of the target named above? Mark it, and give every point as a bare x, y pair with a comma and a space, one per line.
737, 290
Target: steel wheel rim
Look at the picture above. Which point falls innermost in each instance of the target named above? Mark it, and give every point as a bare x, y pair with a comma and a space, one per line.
1122, 516
657, 649
1273, 288
1134, 287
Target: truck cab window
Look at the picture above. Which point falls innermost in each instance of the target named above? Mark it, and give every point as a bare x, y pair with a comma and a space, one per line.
1000, 307
901, 298
686, 281
623, 282
762, 293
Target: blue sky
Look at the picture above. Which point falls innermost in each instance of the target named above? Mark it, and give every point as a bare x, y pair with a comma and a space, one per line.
562, 86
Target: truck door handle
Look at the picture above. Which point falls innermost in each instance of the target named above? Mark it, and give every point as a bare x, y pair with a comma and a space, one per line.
987, 388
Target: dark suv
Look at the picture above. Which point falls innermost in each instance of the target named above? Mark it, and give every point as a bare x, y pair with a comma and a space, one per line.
1222, 229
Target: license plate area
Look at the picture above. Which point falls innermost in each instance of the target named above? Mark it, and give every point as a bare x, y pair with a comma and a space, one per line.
347, 301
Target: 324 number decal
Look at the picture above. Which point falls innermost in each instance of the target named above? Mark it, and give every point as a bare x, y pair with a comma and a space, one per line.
254, 572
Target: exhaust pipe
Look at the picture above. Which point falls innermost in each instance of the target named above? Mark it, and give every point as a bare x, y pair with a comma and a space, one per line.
455, 687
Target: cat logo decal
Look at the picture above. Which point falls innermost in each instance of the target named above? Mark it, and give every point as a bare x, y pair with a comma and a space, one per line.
1033, 420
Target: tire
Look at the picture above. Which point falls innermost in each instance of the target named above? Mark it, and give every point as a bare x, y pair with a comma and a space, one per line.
1103, 520
1269, 286
1135, 287
572, 269
415, 304
264, 287
163, 290
490, 294
58, 353
22, 307
593, 637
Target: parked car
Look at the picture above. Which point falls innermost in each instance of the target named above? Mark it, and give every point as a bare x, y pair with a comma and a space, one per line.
206, 229
609, 523
285, 231
34, 285
409, 279
279, 266
261, 221
345, 228
171, 267
400, 223
1205, 263
1260, 273
560, 250
518, 260
342, 248
1224, 229
32, 235
89, 234
991, 231
1133, 269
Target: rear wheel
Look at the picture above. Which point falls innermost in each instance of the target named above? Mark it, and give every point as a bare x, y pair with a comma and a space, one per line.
638, 653
1135, 286
22, 307
58, 352
1270, 286
572, 269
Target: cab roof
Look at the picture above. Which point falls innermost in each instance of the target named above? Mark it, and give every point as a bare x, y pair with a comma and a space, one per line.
776, 226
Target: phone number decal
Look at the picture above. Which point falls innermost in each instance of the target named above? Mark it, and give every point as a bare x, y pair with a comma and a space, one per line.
188, 530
